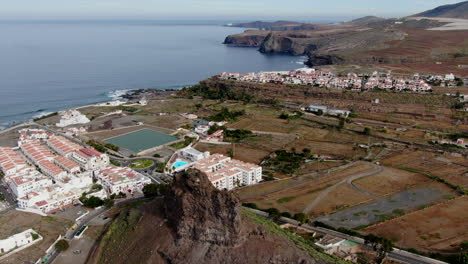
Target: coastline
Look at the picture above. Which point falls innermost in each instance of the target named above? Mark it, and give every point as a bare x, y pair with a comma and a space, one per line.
124, 96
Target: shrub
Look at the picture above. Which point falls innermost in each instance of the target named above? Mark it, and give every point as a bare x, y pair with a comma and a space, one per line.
61, 245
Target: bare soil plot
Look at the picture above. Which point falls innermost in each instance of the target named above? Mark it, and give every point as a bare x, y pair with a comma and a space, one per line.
241, 151
387, 208
340, 198
452, 171
50, 228
390, 181
295, 194
440, 227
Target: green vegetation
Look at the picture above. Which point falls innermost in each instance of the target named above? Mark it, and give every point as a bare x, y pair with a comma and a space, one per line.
160, 166
285, 162
141, 164
45, 116
236, 135
226, 115
91, 202
301, 217
366, 131
285, 199
115, 236
34, 236
62, 245
130, 109
96, 187
286, 116
152, 190
49, 219
98, 146
182, 144
115, 163
217, 93
298, 240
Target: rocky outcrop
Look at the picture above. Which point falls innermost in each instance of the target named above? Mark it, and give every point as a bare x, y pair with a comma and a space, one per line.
197, 211
196, 223
249, 38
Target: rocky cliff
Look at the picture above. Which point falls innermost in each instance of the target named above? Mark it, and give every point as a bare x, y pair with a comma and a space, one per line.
196, 223
203, 213
249, 38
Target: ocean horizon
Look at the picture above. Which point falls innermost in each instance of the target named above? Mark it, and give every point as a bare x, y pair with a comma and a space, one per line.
50, 66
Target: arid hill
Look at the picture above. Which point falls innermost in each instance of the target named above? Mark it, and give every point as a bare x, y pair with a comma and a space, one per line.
459, 10
196, 223
367, 40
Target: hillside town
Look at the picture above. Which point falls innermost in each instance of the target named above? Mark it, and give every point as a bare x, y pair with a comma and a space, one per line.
350, 81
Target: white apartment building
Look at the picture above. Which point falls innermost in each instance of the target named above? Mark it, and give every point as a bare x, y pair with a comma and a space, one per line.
16, 241
22, 184
11, 162
121, 179
90, 159
62, 145
227, 173
50, 199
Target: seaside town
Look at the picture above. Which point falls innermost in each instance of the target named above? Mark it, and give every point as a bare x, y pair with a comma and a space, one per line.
351, 81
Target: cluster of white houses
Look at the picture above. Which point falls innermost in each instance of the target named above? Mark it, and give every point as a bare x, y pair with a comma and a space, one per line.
313, 77
47, 172
223, 172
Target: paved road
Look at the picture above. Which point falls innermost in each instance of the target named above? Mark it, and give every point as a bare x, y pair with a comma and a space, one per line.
396, 254
348, 180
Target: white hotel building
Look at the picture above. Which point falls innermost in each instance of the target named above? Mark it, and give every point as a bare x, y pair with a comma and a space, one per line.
121, 179
227, 173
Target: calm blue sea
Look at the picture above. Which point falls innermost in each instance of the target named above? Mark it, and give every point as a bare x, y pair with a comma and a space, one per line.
50, 66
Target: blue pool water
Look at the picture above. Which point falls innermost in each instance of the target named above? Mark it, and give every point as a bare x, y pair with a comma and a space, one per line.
179, 164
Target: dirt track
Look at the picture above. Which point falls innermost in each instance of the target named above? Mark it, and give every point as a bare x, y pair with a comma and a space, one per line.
348, 180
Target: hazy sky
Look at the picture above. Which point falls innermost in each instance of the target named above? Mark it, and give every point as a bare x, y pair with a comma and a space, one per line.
216, 9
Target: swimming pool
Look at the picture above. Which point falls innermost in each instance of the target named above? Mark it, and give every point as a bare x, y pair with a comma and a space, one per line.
179, 164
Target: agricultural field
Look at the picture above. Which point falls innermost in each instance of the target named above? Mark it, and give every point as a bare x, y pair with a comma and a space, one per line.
434, 229
318, 193
447, 167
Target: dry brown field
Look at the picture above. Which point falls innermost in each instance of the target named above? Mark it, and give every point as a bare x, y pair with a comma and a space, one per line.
437, 228
391, 181
48, 227
241, 151
451, 169
294, 194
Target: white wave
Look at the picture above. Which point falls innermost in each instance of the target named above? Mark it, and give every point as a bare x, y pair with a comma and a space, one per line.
41, 114
117, 94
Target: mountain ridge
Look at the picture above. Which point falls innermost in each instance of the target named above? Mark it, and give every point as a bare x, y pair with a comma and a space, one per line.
458, 10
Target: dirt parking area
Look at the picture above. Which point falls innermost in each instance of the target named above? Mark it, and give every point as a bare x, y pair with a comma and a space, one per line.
386, 208
440, 227
48, 227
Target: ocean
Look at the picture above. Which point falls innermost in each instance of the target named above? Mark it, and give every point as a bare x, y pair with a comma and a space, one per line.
51, 66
